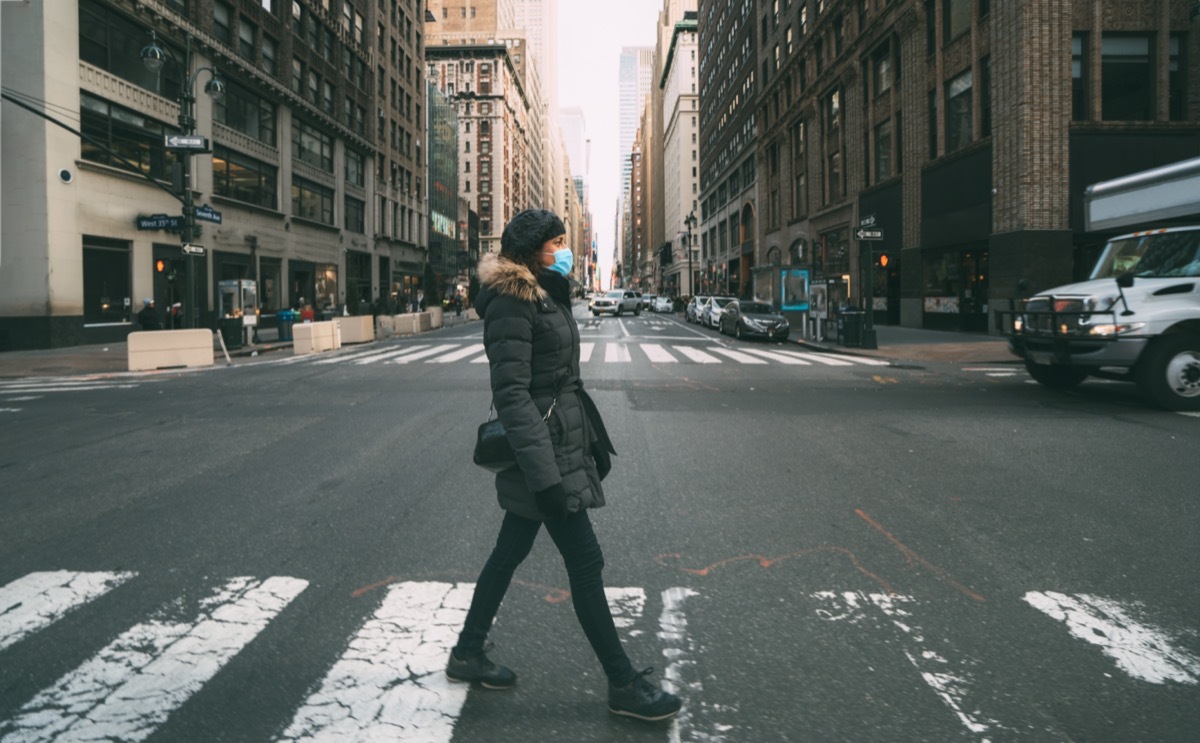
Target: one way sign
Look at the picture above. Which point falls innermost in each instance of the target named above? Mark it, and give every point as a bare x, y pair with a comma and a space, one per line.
869, 234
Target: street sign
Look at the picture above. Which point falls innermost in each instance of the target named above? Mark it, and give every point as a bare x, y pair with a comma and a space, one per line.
186, 142
193, 250
867, 221
869, 234
159, 222
208, 214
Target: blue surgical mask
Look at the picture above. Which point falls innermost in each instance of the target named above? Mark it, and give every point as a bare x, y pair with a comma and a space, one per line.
564, 260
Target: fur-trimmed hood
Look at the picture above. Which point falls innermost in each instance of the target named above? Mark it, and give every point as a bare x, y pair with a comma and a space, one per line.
498, 275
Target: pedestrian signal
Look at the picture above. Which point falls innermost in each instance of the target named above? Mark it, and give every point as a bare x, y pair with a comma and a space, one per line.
160, 266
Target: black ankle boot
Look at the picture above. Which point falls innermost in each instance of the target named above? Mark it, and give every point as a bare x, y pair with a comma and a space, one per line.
475, 667
642, 700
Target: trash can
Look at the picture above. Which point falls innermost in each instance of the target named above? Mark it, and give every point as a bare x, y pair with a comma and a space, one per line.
849, 326
231, 331
285, 319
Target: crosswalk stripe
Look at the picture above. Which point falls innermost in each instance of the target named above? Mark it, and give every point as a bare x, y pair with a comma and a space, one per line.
818, 358
585, 352
462, 353
422, 354
390, 683
657, 353
482, 359
38, 600
130, 687
737, 356
389, 355
780, 357
339, 358
616, 353
696, 355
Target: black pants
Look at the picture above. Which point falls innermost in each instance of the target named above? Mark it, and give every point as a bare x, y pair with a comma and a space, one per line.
576, 542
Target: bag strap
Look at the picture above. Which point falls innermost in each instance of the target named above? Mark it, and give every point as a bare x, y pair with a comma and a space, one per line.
557, 386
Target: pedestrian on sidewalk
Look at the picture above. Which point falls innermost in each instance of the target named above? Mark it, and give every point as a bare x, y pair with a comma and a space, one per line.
562, 452
148, 316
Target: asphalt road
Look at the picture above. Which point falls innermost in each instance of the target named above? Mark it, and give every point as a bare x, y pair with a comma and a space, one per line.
282, 550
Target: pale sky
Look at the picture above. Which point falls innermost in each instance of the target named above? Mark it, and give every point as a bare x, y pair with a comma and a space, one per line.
590, 37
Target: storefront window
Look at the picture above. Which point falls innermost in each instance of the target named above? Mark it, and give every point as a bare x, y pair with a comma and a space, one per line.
326, 297
941, 275
107, 291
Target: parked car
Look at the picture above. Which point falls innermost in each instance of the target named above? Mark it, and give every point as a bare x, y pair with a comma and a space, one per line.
617, 302
712, 311
745, 318
694, 309
663, 304
645, 299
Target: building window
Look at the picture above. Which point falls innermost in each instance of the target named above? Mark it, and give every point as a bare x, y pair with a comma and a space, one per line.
268, 55
956, 15
355, 215
881, 67
245, 38
297, 76
1176, 81
236, 176
835, 177
246, 112
135, 140
223, 22
832, 108
110, 42
107, 286
355, 168
312, 201
1126, 78
312, 146
883, 151
958, 112
985, 97
1080, 106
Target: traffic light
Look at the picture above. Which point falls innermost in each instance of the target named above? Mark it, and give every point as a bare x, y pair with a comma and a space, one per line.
160, 266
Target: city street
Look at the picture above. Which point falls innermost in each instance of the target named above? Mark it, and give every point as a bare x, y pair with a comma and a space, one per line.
806, 546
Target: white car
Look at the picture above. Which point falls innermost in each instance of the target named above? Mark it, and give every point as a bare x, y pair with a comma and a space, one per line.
617, 302
712, 311
663, 304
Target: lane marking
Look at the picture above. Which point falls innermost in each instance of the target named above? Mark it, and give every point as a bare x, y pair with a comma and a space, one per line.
616, 353
681, 675
338, 358
390, 355
741, 358
697, 355
1140, 650
131, 686
391, 684
780, 357
422, 354
457, 355
818, 358
657, 353
585, 352
950, 681
38, 600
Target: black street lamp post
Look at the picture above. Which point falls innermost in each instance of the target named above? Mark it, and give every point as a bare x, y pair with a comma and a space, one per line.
690, 222
154, 56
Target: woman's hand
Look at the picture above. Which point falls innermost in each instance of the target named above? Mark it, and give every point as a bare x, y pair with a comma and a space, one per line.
552, 502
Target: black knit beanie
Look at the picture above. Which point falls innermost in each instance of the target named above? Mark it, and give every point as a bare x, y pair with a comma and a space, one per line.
529, 230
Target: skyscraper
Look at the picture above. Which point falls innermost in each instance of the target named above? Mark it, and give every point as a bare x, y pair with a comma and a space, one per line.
636, 71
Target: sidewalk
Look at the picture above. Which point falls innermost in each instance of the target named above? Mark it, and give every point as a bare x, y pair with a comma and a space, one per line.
895, 343
113, 358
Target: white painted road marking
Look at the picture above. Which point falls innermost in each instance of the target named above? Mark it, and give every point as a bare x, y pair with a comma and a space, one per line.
737, 356
422, 354
389, 355
780, 357
1139, 650
390, 684
457, 355
38, 600
585, 351
616, 353
657, 353
950, 681
133, 684
696, 355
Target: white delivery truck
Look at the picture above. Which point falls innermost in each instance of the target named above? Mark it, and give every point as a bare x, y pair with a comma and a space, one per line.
1137, 318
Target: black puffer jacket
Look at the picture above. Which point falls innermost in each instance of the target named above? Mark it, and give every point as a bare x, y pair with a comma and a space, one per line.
532, 345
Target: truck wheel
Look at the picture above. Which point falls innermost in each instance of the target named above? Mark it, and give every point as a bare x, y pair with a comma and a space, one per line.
1169, 372
637, 312
1056, 376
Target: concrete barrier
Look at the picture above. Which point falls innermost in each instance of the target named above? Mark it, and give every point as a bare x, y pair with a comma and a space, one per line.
436, 318
169, 349
355, 328
425, 322
406, 324
385, 326
315, 337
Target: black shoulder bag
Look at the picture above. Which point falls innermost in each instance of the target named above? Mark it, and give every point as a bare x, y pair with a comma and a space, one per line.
492, 450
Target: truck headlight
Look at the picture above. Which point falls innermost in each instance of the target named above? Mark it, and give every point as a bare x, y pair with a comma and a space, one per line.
1018, 324
1111, 329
